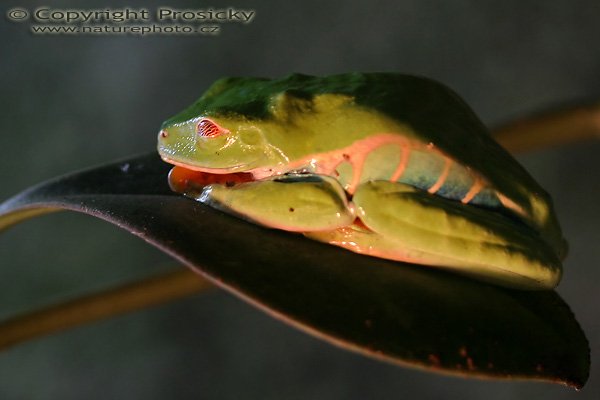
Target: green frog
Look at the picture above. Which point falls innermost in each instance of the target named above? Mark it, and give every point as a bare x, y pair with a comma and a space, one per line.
382, 164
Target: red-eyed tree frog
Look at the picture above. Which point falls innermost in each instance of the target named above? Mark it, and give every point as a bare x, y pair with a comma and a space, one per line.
383, 164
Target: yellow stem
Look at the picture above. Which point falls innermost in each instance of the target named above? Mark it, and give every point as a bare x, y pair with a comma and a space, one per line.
550, 129
116, 301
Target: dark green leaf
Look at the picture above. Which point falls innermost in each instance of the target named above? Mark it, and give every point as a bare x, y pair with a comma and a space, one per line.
402, 313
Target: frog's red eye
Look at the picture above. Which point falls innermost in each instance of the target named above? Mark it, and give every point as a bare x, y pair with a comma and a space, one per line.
207, 128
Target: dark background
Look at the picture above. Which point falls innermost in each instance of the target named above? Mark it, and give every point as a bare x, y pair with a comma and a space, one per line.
71, 102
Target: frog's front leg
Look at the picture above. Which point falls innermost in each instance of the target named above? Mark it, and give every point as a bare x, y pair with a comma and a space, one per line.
408, 224
293, 202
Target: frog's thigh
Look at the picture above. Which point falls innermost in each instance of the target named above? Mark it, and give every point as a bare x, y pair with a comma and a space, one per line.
464, 238
297, 202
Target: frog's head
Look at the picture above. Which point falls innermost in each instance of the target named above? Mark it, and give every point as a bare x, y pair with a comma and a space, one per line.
214, 143
214, 135
241, 124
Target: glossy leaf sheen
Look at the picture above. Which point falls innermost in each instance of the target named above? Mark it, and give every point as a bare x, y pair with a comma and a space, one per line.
403, 313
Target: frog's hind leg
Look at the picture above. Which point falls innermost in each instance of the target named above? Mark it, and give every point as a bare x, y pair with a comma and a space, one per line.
408, 224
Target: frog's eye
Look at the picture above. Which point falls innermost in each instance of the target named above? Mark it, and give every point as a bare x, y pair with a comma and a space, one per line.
208, 128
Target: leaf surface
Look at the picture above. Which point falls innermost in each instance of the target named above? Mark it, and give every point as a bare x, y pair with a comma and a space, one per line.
403, 313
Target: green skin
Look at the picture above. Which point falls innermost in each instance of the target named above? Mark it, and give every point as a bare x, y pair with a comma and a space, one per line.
388, 165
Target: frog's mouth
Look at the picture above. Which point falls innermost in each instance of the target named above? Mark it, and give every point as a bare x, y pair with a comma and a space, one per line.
187, 181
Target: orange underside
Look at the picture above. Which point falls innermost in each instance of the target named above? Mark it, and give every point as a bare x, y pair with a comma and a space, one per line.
182, 179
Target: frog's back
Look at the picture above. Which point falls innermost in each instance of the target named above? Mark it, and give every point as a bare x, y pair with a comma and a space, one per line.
445, 121
439, 117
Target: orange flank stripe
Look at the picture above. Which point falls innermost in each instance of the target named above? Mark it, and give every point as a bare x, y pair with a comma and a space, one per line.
436, 186
402, 165
358, 164
475, 188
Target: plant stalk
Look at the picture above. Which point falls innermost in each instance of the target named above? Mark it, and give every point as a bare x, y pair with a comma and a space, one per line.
127, 298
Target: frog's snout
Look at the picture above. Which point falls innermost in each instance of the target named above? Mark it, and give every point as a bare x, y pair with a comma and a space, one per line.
163, 134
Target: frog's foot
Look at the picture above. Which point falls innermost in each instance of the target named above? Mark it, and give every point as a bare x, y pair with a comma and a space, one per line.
407, 224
